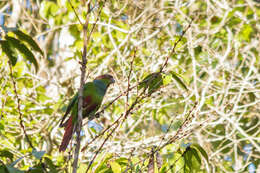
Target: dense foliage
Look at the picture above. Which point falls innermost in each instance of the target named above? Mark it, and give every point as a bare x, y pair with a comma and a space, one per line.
187, 91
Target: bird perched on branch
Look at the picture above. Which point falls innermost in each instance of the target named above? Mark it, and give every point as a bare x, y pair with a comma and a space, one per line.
93, 94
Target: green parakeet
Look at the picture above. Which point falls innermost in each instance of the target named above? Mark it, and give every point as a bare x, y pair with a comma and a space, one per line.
152, 82
93, 94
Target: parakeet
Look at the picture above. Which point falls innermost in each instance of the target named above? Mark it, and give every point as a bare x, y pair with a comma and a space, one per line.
152, 82
93, 94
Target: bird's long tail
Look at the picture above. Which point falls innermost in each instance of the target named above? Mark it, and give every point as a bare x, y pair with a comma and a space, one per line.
67, 135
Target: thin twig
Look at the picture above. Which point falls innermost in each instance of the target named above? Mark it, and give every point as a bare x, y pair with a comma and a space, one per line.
129, 160
95, 23
101, 146
129, 75
172, 139
101, 134
172, 165
82, 79
19, 107
183, 125
137, 100
75, 13
174, 46
161, 70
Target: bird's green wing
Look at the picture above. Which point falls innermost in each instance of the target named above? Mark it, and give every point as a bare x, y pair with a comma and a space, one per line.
152, 82
71, 104
93, 96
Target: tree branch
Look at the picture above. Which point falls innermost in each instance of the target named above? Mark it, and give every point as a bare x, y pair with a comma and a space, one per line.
80, 102
19, 107
86, 37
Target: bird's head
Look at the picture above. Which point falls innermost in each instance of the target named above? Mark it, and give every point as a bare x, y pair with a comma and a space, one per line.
106, 78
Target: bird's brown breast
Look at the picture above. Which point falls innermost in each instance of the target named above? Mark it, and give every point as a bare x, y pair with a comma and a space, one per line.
88, 106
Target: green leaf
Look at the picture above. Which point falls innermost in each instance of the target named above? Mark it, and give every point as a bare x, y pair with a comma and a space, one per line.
196, 161
50, 164
201, 150
122, 161
252, 96
167, 79
23, 49
28, 39
137, 169
48, 9
13, 170
7, 154
210, 101
195, 153
37, 170
2, 125
245, 33
179, 80
192, 160
102, 163
3, 169
116, 168
38, 154
188, 159
177, 163
82, 167
19, 69
7, 49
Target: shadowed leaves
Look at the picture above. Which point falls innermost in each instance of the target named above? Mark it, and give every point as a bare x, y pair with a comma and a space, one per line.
28, 39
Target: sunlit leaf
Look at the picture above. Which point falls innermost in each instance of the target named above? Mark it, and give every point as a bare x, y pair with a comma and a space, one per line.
201, 150
196, 161
101, 164
245, 32
48, 9
116, 168
167, 79
177, 162
122, 161
188, 160
210, 101
82, 167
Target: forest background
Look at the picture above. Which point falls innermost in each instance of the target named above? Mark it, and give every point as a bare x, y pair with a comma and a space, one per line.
186, 96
